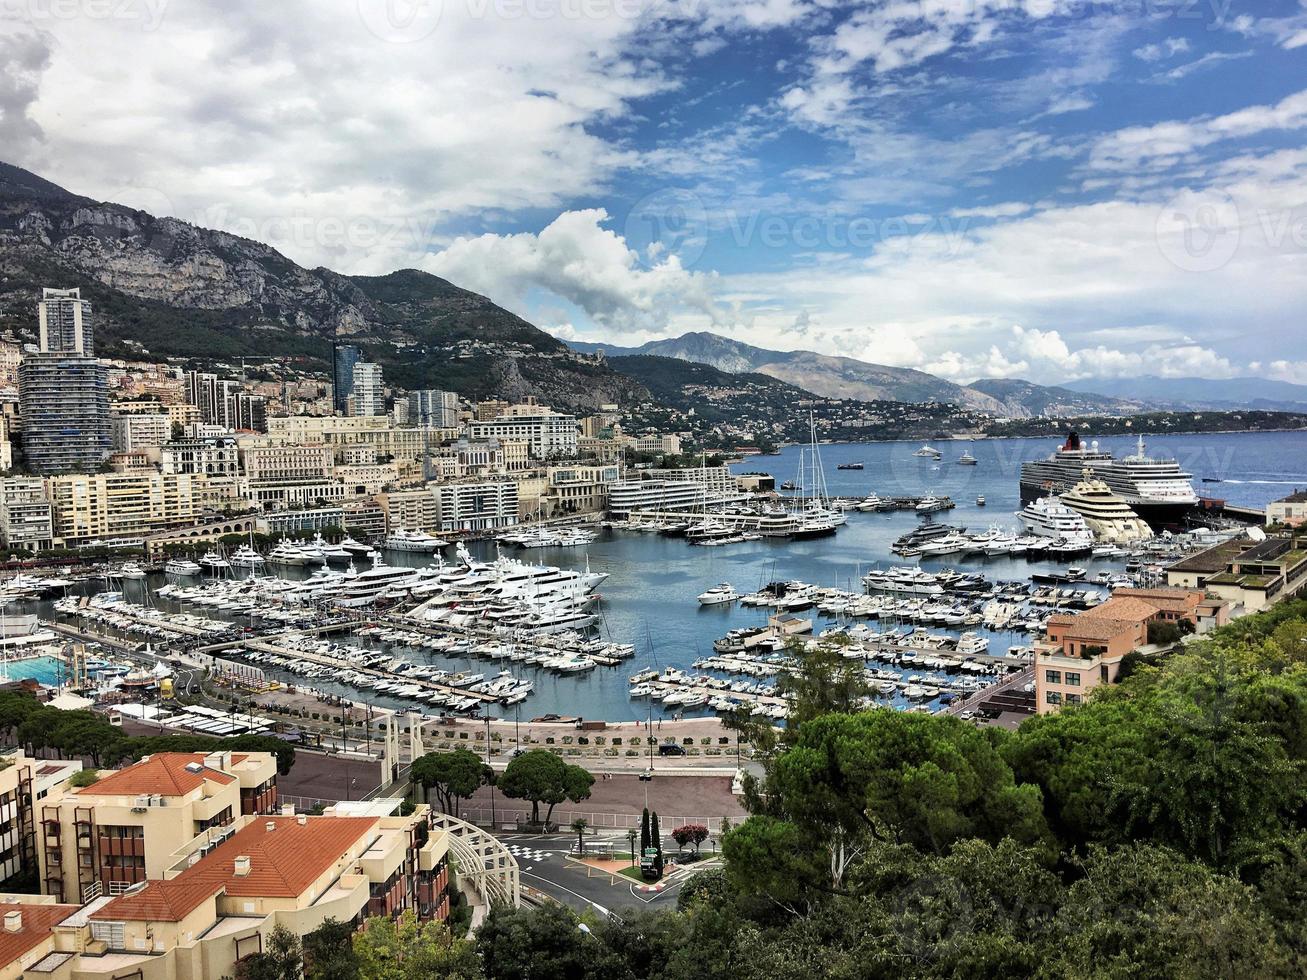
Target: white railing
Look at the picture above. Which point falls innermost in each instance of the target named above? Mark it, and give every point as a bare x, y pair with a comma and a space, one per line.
482, 860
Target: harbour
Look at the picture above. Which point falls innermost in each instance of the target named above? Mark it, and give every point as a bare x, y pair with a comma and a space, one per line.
645, 612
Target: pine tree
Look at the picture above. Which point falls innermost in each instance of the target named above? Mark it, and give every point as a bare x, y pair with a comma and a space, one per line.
644, 832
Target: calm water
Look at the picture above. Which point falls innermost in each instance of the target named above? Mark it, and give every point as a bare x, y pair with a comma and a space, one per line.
649, 596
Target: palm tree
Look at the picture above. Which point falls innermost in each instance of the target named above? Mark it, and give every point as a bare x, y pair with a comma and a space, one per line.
579, 825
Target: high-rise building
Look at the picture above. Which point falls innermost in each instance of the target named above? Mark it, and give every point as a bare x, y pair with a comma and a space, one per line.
367, 395
65, 322
434, 408
247, 411
65, 406
343, 359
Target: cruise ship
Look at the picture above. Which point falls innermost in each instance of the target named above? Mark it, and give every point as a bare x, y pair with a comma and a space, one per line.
1049, 517
1155, 489
1108, 517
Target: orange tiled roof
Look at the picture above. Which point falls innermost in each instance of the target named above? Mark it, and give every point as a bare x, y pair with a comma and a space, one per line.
159, 901
164, 773
1126, 608
283, 863
38, 920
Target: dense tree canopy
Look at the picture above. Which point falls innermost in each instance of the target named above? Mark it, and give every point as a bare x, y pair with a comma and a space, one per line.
540, 777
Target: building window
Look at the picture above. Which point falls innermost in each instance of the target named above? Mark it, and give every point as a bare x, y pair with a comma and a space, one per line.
1073, 699
1053, 697
1053, 676
1072, 679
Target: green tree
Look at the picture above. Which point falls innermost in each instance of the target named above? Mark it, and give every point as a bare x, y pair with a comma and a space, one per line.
404, 949
454, 776
329, 952
542, 777
546, 943
1147, 912
282, 959
824, 682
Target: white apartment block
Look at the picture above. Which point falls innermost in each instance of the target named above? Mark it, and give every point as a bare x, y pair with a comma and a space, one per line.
135, 431
549, 434
476, 506
25, 513
368, 395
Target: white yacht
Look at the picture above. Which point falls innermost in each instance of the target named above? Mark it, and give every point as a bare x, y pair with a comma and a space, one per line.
334, 553
903, 581
375, 583
870, 502
1106, 515
286, 553
1049, 517
181, 566
357, 549
966, 459
949, 544
418, 541
131, 570
214, 562
718, 595
246, 557
928, 452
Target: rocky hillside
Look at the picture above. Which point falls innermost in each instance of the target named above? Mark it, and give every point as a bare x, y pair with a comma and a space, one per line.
829, 377
165, 288
1024, 398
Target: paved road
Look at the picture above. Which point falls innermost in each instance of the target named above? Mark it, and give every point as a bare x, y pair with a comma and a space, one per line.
543, 864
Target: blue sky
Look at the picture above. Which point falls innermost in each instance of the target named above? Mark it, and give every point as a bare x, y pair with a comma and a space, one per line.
1041, 189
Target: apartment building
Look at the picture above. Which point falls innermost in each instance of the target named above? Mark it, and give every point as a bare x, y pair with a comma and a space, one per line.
367, 396
64, 322
433, 407
341, 432
26, 516
24, 783
125, 828
65, 408
1083, 651
366, 478
1249, 575
475, 506
133, 431
413, 510
107, 506
549, 434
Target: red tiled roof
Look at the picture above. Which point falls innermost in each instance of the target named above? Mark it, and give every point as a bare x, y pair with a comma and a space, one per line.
164, 773
38, 920
283, 863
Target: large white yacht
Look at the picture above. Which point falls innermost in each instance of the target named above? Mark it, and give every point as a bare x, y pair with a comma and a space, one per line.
286, 553
1155, 489
1106, 515
419, 541
246, 557
377, 582
1049, 517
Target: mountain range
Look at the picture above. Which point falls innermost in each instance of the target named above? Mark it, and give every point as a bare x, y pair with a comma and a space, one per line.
1204, 394
845, 377
164, 287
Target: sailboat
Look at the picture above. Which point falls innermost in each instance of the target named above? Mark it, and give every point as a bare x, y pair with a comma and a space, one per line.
818, 518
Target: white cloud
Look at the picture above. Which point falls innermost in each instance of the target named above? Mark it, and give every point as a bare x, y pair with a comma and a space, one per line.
578, 260
1162, 49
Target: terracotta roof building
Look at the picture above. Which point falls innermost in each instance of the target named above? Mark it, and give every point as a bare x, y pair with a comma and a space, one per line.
1084, 650
124, 828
